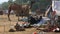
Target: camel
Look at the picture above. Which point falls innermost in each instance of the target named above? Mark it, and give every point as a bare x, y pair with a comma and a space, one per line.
20, 10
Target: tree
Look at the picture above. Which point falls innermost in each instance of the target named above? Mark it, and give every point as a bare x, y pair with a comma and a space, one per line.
18, 1
10, 2
5, 5
42, 4
39, 3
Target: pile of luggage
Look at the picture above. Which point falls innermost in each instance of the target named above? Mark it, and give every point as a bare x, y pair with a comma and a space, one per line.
19, 27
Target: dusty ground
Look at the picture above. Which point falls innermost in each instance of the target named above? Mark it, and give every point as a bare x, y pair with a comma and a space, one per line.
5, 26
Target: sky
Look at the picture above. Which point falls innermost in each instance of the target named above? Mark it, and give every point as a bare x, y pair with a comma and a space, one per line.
1, 1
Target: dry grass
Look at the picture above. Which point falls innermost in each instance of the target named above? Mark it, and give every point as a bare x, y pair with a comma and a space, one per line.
4, 20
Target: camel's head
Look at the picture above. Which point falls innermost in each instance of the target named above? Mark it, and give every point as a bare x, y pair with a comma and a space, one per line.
32, 2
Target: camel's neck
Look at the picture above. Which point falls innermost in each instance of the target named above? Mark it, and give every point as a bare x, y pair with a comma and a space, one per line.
32, 2
31, 5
